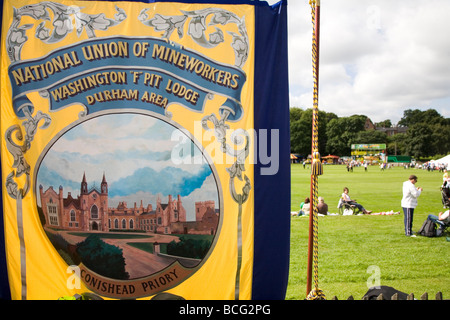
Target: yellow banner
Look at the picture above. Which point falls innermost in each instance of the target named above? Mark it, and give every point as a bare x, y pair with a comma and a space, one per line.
126, 154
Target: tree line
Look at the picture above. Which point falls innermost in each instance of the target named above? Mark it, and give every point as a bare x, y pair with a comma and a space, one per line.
426, 134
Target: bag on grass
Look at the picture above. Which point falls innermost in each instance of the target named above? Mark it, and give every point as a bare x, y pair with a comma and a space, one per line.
374, 292
428, 229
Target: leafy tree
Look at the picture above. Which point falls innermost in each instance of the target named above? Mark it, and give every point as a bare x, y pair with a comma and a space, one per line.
301, 137
189, 248
397, 144
384, 124
301, 130
440, 138
297, 130
412, 117
370, 136
337, 143
295, 114
427, 133
342, 132
103, 258
419, 140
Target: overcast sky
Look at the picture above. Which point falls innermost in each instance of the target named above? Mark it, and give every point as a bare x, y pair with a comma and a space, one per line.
377, 57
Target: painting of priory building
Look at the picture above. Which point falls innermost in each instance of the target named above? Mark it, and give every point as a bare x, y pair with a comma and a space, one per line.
90, 212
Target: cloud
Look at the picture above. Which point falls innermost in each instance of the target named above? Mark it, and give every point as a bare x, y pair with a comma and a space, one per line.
118, 145
112, 133
377, 58
168, 181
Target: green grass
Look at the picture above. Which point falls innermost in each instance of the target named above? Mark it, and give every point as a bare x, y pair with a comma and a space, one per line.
349, 245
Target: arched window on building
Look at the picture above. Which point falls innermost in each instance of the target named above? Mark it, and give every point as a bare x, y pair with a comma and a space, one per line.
73, 217
124, 224
94, 212
131, 224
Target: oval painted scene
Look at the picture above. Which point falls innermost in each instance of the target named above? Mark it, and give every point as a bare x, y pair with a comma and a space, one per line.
131, 200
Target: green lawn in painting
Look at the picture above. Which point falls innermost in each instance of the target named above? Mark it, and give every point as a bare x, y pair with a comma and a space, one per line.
358, 251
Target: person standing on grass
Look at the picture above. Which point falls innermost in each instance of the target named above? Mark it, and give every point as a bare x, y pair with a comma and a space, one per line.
409, 202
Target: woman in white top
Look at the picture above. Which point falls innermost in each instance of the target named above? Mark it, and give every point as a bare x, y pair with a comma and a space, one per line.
409, 202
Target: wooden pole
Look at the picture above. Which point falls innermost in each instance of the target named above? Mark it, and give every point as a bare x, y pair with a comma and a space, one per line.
314, 144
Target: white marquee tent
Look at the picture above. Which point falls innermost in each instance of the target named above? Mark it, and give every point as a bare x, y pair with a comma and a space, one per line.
445, 160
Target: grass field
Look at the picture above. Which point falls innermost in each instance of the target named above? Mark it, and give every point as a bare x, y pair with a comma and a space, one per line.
354, 251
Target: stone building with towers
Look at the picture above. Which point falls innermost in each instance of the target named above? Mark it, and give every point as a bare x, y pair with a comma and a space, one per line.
87, 212
90, 212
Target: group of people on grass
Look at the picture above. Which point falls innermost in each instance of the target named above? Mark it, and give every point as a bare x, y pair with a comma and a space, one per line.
409, 202
322, 207
305, 207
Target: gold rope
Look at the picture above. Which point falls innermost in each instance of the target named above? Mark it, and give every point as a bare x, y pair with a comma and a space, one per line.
316, 166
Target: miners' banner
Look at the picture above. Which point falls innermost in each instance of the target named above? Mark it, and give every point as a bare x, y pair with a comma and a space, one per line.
144, 149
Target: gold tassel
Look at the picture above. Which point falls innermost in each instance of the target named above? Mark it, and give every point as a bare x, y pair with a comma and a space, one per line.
316, 165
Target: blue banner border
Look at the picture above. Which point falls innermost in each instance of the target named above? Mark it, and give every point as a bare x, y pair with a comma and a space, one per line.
273, 222
272, 192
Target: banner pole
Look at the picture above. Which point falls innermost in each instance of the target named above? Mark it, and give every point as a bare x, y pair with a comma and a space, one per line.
316, 166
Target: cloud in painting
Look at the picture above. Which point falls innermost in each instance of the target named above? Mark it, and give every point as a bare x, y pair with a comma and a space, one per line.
134, 153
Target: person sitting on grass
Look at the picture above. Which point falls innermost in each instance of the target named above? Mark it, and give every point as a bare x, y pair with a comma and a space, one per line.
304, 210
346, 198
322, 207
443, 216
